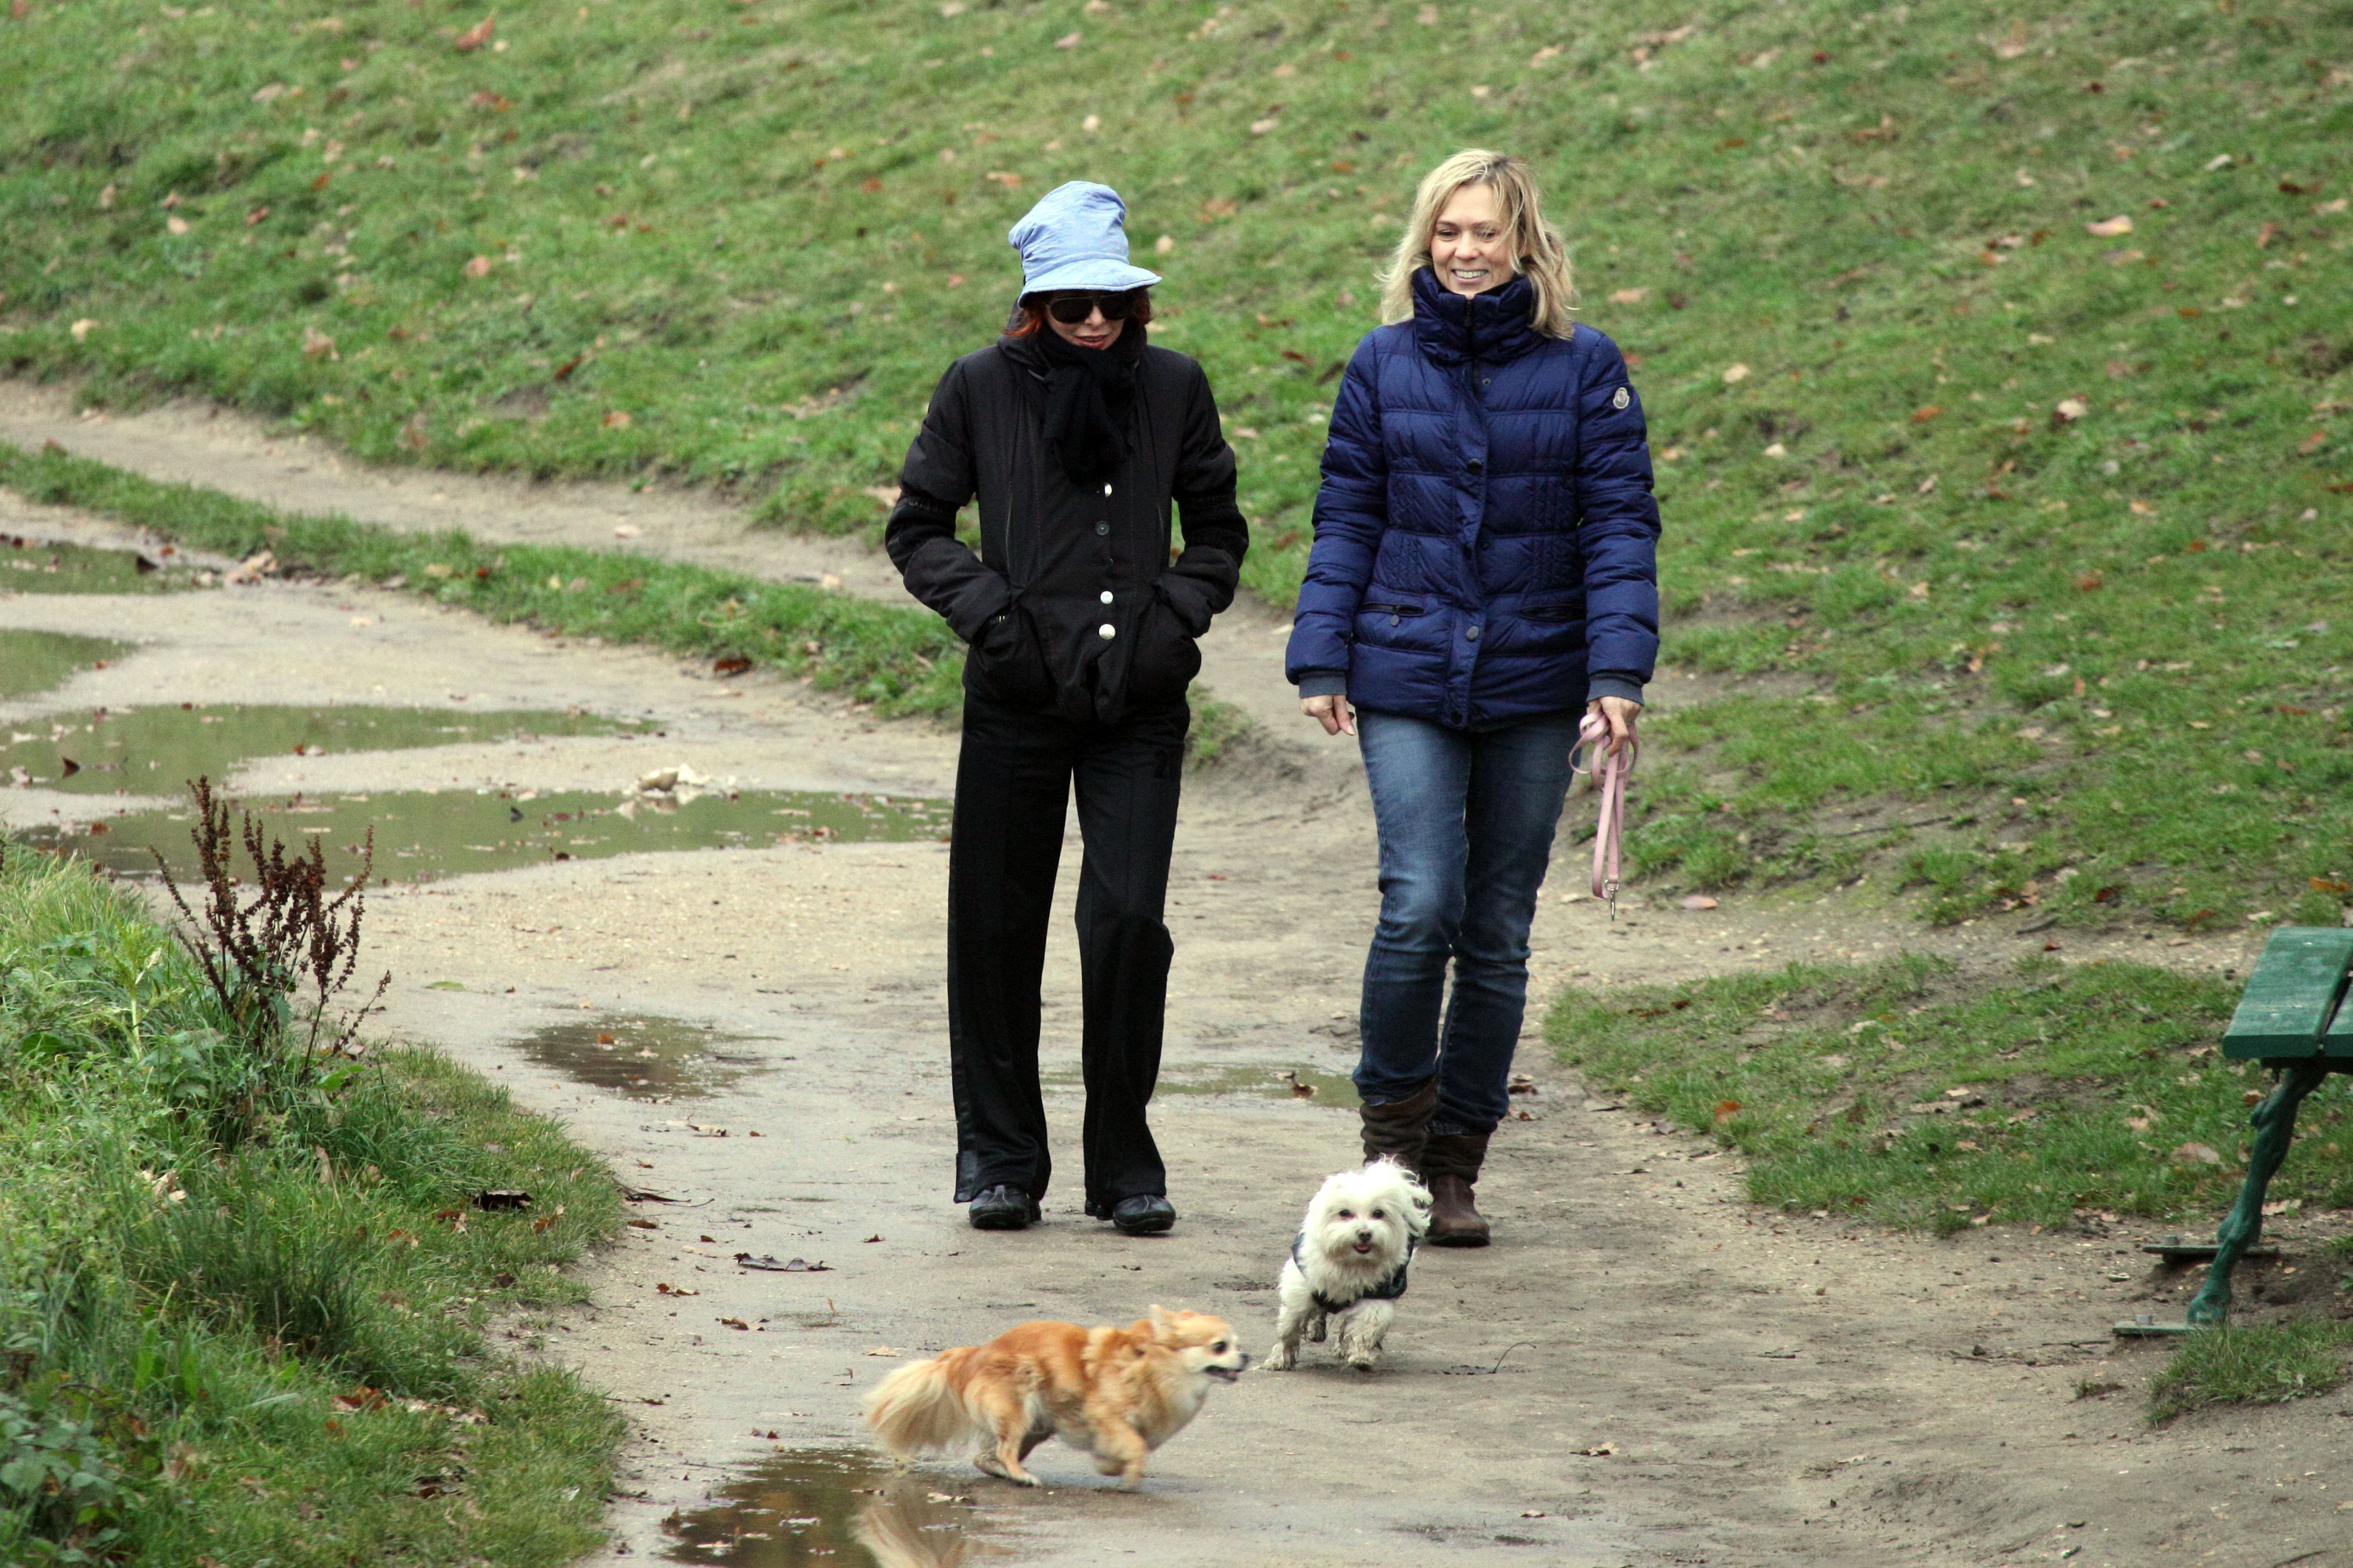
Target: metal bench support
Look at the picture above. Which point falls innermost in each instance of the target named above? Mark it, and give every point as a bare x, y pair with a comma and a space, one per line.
2275, 1122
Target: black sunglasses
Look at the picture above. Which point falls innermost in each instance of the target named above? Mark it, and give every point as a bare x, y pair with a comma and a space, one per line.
1072, 309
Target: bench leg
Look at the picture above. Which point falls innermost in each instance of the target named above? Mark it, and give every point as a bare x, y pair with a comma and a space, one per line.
2275, 1122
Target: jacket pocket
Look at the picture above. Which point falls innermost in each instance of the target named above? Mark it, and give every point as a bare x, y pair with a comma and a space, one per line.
1006, 664
1572, 611
1166, 658
1393, 614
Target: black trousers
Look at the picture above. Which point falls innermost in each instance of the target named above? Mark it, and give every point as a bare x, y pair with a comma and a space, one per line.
1013, 789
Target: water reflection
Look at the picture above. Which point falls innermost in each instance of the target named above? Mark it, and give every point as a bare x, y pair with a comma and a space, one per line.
643, 1058
155, 750
42, 567
833, 1506
424, 835
35, 661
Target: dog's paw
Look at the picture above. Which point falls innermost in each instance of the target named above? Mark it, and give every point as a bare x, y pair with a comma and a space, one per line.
1365, 1361
1281, 1358
1317, 1330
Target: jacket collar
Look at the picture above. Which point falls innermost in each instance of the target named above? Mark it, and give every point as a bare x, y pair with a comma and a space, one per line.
1491, 326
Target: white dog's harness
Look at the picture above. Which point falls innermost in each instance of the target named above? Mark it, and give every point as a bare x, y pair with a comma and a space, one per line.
1389, 1287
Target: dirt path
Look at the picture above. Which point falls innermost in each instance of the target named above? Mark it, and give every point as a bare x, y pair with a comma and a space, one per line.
1769, 1390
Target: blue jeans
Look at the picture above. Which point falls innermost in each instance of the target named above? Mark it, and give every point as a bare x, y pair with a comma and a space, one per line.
1466, 820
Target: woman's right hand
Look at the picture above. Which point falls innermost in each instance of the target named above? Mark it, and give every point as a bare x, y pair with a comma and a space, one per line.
1333, 713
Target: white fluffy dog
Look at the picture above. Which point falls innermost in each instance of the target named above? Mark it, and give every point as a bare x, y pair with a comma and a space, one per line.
1349, 1261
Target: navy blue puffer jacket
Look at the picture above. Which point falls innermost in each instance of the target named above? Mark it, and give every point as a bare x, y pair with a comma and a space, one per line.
1487, 541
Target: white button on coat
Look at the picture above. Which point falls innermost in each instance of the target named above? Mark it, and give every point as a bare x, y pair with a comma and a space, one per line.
1106, 631
1107, 596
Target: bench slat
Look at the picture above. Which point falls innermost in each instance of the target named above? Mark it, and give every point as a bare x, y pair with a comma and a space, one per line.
2292, 994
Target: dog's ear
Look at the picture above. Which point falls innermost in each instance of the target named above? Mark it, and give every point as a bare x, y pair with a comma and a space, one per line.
1164, 1323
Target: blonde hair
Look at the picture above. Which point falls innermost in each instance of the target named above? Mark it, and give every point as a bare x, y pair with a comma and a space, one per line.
1536, 248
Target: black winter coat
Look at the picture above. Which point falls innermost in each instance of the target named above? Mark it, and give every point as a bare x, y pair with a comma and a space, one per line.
1073, 603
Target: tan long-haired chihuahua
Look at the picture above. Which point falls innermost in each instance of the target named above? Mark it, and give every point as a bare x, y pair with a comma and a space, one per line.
1116, 1393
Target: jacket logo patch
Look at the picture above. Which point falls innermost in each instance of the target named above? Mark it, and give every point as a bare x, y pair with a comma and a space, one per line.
1621, 398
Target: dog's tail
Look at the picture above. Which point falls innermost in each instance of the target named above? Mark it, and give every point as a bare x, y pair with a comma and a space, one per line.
917, 1409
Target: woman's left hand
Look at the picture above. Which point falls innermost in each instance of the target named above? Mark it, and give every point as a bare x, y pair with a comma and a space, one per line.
1619, 713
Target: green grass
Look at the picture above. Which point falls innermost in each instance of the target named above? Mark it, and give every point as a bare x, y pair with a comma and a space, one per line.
1896, 1094
274, 1355
1846, 248
2256, 1365
900, 660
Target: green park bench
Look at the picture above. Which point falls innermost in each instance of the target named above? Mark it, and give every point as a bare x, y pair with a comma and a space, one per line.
2295, 1018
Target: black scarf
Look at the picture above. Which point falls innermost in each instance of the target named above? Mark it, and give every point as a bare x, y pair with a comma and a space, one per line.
1089, 396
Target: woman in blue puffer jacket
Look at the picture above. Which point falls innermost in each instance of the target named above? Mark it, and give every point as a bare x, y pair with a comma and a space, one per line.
1484, 573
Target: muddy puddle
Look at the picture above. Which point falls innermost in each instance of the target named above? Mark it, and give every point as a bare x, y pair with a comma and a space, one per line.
644, 1057
1308, 1084
35, 661
42, 567
424, 835
838, 1507
154, 751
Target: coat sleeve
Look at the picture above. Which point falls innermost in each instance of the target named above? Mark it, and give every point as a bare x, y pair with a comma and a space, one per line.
1618, 528
1351, 512
1202, 580
935, 483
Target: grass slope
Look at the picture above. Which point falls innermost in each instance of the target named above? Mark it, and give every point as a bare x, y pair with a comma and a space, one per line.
2047, 519
1891, 1093
270, 1353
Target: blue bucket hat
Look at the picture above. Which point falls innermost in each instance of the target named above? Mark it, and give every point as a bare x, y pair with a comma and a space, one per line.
1076, 237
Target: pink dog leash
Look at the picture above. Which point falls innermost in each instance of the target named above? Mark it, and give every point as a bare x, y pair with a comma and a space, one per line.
1609, 781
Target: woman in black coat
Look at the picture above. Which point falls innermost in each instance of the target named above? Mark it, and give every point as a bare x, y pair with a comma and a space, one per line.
1075, 436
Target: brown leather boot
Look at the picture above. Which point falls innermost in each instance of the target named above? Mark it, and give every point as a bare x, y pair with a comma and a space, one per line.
1450, 1167
1399, 1127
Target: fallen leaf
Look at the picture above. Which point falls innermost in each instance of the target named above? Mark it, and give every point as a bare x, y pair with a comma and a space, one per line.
1699, 901
2067, 410
1922, 415
82, 328
317, 345
2312, 443
737, 1323
1068, 41
1629, 296
1725, 1109
1733, 375
2194, 1155
616, 419
794, 1266
2265, 234
667, 1289
475, 37
175, 224
882, 1350
479, 267
1599, 1451
2108, 228
733, 664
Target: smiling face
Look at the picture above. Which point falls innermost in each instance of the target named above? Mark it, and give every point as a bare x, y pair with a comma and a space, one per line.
1094, 332
1362, 1219
1470, 247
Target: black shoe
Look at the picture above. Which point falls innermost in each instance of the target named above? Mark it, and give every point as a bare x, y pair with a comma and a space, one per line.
1002, 1207
1144, 1214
